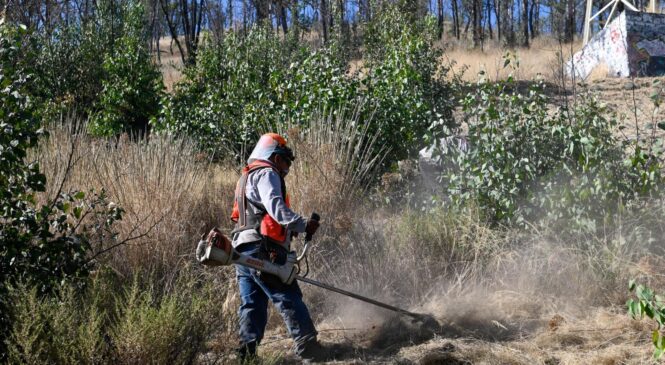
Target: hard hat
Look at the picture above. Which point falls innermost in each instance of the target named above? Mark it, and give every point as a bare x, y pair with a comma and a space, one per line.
268, 144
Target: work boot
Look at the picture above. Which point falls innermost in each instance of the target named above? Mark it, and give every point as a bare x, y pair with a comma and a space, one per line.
247, 353
314, 352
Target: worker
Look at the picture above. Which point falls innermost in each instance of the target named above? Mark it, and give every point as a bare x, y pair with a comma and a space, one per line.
265, 224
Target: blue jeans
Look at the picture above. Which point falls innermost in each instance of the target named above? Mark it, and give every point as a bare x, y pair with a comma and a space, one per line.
254, 296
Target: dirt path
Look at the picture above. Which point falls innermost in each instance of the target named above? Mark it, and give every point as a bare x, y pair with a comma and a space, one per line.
607, 336
501, 328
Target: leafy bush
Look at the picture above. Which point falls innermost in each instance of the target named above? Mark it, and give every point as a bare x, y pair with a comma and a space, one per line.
41, 245
245, 84
526, 162
100, 66
250, 83
132, 85
69, 61
653, 306
405, 84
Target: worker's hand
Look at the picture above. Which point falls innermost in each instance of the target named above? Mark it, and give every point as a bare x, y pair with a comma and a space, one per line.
312, 226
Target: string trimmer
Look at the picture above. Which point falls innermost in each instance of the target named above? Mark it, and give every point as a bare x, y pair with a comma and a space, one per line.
217, 250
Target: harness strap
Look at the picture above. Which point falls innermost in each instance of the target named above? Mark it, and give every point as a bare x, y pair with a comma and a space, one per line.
254, 221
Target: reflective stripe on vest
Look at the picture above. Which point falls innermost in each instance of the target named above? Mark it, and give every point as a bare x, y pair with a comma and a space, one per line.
267, 226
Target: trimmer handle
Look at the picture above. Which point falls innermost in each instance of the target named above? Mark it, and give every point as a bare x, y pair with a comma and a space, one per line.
314, 217
308, 239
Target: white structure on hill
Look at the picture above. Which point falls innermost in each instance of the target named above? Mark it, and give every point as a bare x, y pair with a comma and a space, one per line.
630, 43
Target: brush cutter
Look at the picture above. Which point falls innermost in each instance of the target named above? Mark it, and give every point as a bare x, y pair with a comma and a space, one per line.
217, 250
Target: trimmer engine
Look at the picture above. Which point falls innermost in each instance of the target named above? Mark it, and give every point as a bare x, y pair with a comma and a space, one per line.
216, 250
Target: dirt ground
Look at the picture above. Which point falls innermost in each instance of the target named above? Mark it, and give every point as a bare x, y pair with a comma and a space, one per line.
513, 330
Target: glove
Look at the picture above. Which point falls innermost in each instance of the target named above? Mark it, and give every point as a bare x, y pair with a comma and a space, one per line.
312, 226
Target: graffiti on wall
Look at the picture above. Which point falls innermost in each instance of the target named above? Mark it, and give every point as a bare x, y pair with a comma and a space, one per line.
631, 45
646, 40
608, 47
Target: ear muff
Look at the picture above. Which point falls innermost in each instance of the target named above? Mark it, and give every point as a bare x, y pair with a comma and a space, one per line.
285, 152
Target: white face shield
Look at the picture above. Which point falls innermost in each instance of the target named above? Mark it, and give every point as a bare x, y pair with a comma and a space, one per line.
268, 144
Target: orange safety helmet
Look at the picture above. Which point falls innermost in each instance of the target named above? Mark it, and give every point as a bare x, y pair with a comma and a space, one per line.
268, 144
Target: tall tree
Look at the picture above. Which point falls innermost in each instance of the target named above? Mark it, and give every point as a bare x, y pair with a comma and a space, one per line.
534, 18
477, 16
497, 12
229, 13
262, 8
525, 23
187, 22
456, 18
569, 27
439, 10
324, 17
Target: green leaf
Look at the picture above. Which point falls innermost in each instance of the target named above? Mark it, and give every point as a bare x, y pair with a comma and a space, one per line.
631, 285
80, 195
661, 125
648, 310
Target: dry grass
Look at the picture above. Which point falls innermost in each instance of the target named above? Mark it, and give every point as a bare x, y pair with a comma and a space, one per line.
170, 61
169, 194
497, 292
541, 60
335, 162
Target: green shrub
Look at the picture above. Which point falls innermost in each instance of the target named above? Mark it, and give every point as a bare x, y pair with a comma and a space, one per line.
99, 66
40, 245
64, 328
168, 330
243, 85
69, 68
110, 322
651, 305
405, 84
527, 163
132, 85
247, 84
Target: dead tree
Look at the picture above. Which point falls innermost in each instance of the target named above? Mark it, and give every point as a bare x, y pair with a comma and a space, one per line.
188, 22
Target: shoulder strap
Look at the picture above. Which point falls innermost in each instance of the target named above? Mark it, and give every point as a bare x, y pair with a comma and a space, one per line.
241, 198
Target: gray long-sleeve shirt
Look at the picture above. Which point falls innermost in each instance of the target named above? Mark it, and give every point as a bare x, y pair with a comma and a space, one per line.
264, 189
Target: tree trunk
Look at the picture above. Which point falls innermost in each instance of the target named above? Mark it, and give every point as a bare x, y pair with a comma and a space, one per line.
569, 31
456, 22
282, 17
510, 21
172, 30
245, 15
324, 20
295, 13
229, 12
534, 16
497, 12
477, 16
439, 10
488, 19
262, 11
525, 23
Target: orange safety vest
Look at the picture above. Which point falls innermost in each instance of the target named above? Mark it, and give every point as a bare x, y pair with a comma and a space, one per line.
263, 223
